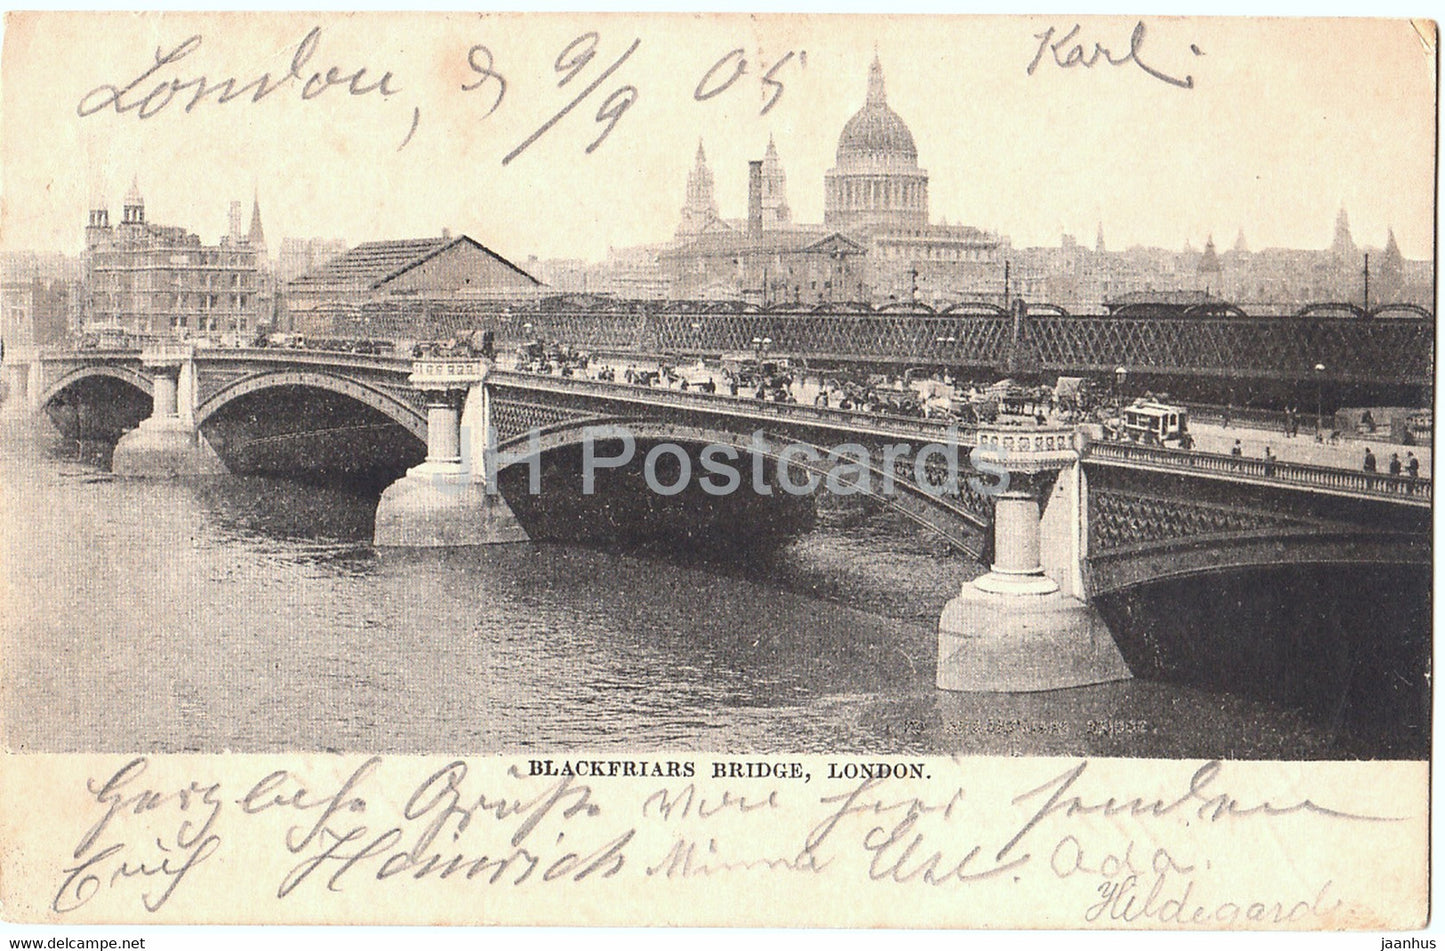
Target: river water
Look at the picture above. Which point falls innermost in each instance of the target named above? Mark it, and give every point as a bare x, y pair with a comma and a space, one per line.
252, 614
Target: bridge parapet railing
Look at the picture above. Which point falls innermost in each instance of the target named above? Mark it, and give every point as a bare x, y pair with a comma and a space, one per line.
1031, 449
327, 358
167, 352
436, 371
1247, 416
909, 427
1327, 478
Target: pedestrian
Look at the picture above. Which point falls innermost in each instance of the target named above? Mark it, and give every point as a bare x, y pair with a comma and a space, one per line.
1237, 451
1412, 465
1269, 461
1369, 460
1228, 412
1394, 463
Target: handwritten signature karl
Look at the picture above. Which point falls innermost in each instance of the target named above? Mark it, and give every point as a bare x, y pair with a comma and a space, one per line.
1068, 57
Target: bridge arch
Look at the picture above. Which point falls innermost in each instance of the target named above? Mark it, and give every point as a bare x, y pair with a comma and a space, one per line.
1142, 565
1401, 310
1215, 309
404, 414
125, 374
954, 521
974, 307
1333, 309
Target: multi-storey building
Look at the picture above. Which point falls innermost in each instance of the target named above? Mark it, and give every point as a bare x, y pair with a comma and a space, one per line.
39, 297
35, 312
151, 278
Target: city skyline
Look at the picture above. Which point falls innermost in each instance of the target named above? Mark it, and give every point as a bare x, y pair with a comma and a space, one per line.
1310, 140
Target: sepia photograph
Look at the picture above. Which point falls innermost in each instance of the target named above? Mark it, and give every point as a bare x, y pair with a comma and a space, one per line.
817, 428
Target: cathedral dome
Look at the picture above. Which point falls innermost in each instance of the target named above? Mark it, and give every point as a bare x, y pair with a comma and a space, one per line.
876, 131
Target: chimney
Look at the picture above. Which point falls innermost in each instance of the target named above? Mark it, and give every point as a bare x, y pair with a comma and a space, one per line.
755, 199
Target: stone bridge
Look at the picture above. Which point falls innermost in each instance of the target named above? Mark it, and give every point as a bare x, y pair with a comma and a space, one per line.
1062, 520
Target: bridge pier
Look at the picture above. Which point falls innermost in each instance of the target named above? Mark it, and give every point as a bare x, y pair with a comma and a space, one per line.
17, 391
1025, 625
451, 498
168, 443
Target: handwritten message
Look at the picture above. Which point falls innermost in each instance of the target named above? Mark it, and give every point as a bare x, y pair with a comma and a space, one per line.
1061, 843
174, 79
169, 82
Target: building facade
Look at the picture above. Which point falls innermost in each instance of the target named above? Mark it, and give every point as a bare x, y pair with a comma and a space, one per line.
407, 280
149, 278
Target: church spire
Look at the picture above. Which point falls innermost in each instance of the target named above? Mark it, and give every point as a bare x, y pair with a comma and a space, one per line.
256, 237
1209, 260
701, 206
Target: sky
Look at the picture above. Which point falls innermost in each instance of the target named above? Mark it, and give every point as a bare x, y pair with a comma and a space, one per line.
1286, 122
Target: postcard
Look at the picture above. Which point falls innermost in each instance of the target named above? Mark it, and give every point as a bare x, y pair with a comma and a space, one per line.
604, 469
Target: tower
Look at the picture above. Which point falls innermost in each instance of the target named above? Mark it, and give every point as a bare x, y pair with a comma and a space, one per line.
1391, 280
776, 214
1099, 239
97, 226
133, 209
233, 219
1209, 270
1344, 245
701, 206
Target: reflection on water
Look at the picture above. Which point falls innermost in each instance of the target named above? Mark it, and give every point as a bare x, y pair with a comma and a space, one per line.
252, 614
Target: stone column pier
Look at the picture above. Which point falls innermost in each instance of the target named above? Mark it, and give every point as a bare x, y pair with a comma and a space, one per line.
17, 395
451, 499
167, 444
1026, 625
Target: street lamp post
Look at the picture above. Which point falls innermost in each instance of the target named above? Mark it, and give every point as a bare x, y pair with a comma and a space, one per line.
1119, 374
1319, 398
760, 346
